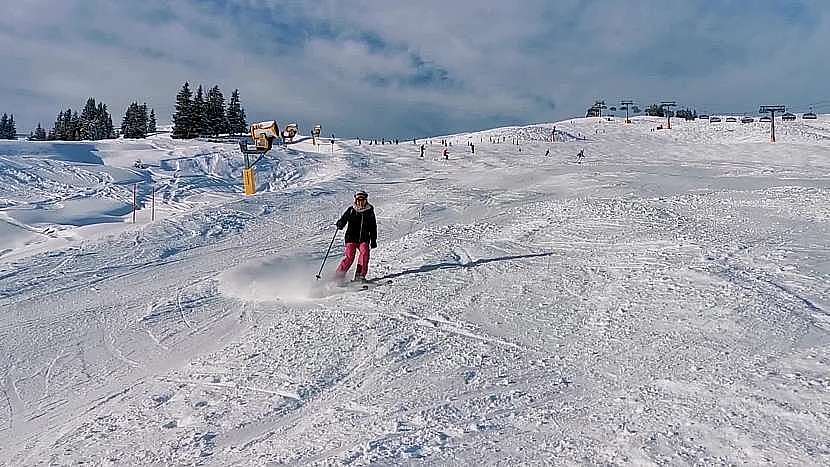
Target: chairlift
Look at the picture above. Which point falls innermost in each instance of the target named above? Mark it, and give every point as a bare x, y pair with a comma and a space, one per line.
714, 119
765, 119
747, 119
731, 119
809, 116
703, 116
788, 116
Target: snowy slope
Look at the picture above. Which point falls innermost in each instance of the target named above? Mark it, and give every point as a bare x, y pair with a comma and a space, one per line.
664, 300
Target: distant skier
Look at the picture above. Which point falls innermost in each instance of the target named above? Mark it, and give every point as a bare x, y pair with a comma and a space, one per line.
547, 153
473, 148
446, 154
361, 234
580, 155
423, 149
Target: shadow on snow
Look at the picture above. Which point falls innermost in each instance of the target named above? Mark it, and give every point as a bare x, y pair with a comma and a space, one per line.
471, 264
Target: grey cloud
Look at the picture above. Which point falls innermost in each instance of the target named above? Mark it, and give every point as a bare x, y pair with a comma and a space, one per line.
409, 68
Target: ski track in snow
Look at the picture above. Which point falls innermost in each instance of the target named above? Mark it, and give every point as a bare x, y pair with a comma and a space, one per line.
664, 301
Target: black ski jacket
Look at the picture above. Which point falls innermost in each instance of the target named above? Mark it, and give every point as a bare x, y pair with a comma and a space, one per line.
360, 226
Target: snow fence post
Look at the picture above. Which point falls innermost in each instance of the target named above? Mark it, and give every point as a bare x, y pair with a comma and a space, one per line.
135, 200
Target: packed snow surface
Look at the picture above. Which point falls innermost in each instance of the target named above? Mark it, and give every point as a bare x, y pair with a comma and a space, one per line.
664, 299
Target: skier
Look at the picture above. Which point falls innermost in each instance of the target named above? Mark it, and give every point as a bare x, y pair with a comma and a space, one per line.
361, 234
446, 154
423, 148
547, 153
579, 156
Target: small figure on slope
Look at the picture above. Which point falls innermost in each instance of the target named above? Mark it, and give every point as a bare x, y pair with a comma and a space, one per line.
446, 154
361, 234
580, 155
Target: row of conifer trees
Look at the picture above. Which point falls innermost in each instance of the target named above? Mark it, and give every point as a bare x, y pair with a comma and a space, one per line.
204, 114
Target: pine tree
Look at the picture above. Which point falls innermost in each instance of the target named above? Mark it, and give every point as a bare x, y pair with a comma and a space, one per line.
4, 125
66, 126
134, 123
88, 120
151, 123
39, 134
200, 119
60, 131
183, 115
75, 125
11, 130
109, 129
143, 119
53, 133
126, 121
217, 122
235, 115
103, 123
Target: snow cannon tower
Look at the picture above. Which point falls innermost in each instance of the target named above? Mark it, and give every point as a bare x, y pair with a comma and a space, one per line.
315, 133
263, 134
290, 132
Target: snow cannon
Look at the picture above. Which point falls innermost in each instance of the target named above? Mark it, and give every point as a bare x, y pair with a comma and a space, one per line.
290, 132
264, 134
315, 134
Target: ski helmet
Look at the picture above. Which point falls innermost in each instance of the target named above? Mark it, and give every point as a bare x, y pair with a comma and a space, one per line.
361, 194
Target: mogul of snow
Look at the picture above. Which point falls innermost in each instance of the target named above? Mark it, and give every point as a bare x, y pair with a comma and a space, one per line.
361, 234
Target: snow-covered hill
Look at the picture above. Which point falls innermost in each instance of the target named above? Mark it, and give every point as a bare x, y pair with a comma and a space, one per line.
663, 300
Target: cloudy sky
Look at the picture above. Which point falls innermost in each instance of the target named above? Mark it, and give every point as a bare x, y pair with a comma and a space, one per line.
412, 68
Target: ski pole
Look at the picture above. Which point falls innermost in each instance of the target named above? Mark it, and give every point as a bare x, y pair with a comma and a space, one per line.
327, 254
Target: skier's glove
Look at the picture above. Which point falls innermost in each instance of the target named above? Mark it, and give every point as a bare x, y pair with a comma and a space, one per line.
374, 244
339, 225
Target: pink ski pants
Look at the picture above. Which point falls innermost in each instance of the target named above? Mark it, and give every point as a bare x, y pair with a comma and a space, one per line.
348, 259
